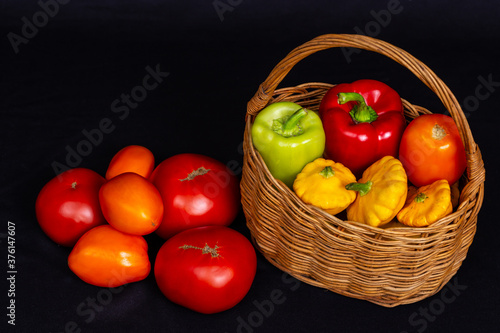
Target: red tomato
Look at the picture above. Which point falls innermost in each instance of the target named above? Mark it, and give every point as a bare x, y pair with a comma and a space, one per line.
106, 257
131, 204
431, 149
132, 158
206, 269
197, 191
68, 205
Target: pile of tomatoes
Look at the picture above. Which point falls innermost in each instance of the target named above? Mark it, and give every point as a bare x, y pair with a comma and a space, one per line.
188, 200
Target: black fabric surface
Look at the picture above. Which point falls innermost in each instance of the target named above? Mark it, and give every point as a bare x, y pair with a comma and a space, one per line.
61, 77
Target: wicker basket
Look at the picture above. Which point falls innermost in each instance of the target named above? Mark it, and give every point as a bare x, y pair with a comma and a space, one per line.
388, 267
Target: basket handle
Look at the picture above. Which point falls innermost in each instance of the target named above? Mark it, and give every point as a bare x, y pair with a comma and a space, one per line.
323, 42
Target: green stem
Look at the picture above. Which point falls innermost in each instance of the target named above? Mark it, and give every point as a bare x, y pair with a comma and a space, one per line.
420, 197
327, 172
362, 188
360, 113
290, 125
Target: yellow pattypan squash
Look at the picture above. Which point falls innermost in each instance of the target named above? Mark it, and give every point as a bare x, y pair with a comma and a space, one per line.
427, 205
382, 192
322, 182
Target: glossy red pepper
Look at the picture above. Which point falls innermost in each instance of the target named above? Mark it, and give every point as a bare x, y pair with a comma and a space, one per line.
363, 122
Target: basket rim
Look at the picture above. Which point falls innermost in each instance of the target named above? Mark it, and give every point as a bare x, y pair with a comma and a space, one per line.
266, 90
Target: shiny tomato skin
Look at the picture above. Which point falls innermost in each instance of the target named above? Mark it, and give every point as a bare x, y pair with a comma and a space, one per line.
206, 269
68, 205
431, 149
107, 257
210, 198
133, 158
131, 204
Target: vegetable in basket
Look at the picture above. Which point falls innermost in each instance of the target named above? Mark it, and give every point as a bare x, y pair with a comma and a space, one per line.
363, 122
431, 149
427, 204
322, 184
382, 192
287, 136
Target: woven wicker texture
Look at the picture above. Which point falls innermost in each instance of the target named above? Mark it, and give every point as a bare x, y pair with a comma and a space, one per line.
388, 267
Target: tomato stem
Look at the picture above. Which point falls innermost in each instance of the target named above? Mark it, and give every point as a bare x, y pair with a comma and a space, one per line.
438, 133
204, 250
198, 172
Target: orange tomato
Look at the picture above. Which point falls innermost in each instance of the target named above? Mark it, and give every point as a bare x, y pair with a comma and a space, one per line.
132, 158
106, 257
131, 203
431, 149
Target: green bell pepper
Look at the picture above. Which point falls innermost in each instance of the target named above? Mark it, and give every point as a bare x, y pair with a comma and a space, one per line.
288, 137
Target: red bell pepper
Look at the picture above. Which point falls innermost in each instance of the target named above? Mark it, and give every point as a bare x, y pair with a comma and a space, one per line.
363, 122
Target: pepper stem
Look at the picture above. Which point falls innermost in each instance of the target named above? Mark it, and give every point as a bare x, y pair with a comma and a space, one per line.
290, 125
360, 112
327, 172
362, 188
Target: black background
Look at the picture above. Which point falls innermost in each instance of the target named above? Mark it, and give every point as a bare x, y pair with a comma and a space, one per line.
64, 78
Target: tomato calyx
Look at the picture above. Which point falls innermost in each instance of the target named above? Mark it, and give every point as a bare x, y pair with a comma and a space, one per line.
438, 133
73, 185
204, 250
198, 172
